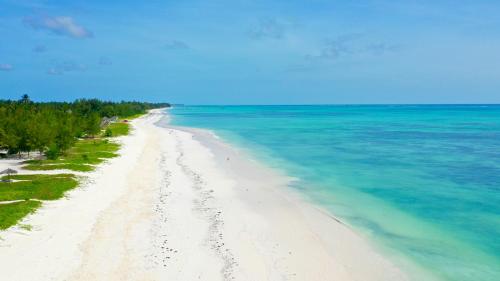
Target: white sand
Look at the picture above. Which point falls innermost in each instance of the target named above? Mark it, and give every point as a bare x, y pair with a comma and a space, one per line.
181, 205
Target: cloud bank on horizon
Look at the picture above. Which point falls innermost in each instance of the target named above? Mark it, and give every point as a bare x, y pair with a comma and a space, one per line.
252, 52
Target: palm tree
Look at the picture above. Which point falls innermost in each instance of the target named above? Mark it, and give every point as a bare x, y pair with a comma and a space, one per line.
25, 99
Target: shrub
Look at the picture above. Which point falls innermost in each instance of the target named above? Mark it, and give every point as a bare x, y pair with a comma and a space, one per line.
53, 152
108, 133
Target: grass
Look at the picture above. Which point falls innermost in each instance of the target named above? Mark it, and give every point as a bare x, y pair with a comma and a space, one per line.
81, 157
27, 187
26, 227
11, 214
132, 117
68, 166
41, 187
119, 129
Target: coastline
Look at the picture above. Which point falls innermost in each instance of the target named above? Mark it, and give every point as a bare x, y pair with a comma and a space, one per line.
178, 203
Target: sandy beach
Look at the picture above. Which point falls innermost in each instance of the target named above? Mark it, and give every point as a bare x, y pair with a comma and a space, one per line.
180, 204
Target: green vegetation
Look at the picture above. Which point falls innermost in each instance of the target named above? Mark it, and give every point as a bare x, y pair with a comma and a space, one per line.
68, 166
26, 227
28, 190
52, 128
133, 116
71, 137
81, 157
118, 129
41, 187
11, 214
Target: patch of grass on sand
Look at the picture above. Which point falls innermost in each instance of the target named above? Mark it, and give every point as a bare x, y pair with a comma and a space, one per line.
26, 227
81, 157
69, 166
41, 187
11, 214
119, 129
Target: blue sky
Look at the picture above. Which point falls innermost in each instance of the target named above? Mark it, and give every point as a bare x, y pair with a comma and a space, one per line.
252, 52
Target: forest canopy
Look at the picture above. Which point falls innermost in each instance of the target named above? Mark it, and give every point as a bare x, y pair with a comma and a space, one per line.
54, 126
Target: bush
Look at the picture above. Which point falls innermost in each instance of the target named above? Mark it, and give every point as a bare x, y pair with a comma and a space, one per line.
108, 133
53, 152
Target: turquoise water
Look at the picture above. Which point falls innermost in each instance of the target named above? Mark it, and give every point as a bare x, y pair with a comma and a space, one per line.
423, 181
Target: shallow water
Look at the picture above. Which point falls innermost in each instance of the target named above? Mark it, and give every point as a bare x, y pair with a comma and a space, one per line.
422, 180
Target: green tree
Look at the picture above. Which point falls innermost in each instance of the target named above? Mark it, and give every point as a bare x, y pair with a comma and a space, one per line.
25, 99
53, 127
93, 125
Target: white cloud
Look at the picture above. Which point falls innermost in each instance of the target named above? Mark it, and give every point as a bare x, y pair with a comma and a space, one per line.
60, 68
268, 28
62, 25
348, 45
54, 71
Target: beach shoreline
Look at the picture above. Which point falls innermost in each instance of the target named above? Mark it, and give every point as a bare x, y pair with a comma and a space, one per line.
180, 204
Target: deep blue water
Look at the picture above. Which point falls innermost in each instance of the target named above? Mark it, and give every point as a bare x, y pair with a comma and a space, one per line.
421, 180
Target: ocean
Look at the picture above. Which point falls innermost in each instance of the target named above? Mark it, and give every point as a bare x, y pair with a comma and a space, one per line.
421, 181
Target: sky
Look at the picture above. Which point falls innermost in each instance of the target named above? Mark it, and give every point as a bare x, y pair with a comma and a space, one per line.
252, 52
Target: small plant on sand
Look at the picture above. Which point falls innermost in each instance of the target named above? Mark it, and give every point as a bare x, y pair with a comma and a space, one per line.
26, 227
108, 133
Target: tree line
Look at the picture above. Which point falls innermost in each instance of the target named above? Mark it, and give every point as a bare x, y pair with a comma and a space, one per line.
53, 127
